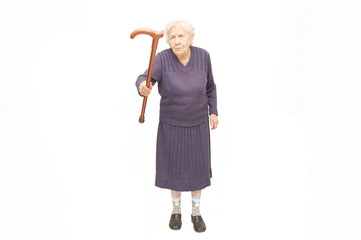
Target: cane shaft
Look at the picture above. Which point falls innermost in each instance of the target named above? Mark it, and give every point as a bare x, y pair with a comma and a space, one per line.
149, 77
141, 118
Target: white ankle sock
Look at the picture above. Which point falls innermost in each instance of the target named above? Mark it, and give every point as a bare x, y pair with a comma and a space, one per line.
196, 202
176, 204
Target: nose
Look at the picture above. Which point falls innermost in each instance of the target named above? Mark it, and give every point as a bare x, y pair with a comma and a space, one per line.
177, 40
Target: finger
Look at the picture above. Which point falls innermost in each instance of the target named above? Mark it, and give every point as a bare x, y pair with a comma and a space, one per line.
212, 124
144, 90
215, 125
144, 84
144, 93
147, 88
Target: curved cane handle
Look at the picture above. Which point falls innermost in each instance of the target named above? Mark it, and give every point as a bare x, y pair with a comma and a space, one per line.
150, 32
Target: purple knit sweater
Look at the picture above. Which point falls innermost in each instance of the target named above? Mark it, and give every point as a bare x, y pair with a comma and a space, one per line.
188, 93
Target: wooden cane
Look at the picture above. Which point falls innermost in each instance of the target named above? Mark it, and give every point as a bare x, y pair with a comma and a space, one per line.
155, 35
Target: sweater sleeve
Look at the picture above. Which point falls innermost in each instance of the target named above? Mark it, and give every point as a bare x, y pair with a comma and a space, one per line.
211, 89
156, 74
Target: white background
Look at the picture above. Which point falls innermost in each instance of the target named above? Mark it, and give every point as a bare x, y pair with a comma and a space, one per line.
76, 164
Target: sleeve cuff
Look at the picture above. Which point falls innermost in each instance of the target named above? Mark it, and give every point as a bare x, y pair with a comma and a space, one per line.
213, 111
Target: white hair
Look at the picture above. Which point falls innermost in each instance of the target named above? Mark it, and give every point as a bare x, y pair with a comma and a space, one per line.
184, 24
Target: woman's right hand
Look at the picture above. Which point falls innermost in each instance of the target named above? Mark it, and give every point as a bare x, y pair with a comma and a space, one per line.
144, 90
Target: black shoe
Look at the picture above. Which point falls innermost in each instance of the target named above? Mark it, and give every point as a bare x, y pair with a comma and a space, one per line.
198, 224
175, 222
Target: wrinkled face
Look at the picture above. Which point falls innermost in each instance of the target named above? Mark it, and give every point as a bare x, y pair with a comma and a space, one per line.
179, 40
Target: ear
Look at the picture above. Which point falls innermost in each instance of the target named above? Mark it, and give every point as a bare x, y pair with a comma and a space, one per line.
191, 40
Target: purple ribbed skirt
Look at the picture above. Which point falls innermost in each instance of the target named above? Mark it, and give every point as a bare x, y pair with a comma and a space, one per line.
183, 157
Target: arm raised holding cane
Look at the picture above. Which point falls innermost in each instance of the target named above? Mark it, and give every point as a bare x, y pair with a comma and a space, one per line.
155, 35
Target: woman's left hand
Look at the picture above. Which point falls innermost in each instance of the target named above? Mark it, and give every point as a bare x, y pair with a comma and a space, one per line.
214, 121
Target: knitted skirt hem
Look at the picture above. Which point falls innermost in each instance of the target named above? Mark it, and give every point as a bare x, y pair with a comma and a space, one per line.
182, 186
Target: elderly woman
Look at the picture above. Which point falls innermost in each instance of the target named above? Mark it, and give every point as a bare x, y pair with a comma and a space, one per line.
188, 101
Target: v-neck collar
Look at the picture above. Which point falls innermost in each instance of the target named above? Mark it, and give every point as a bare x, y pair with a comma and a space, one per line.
190, 62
